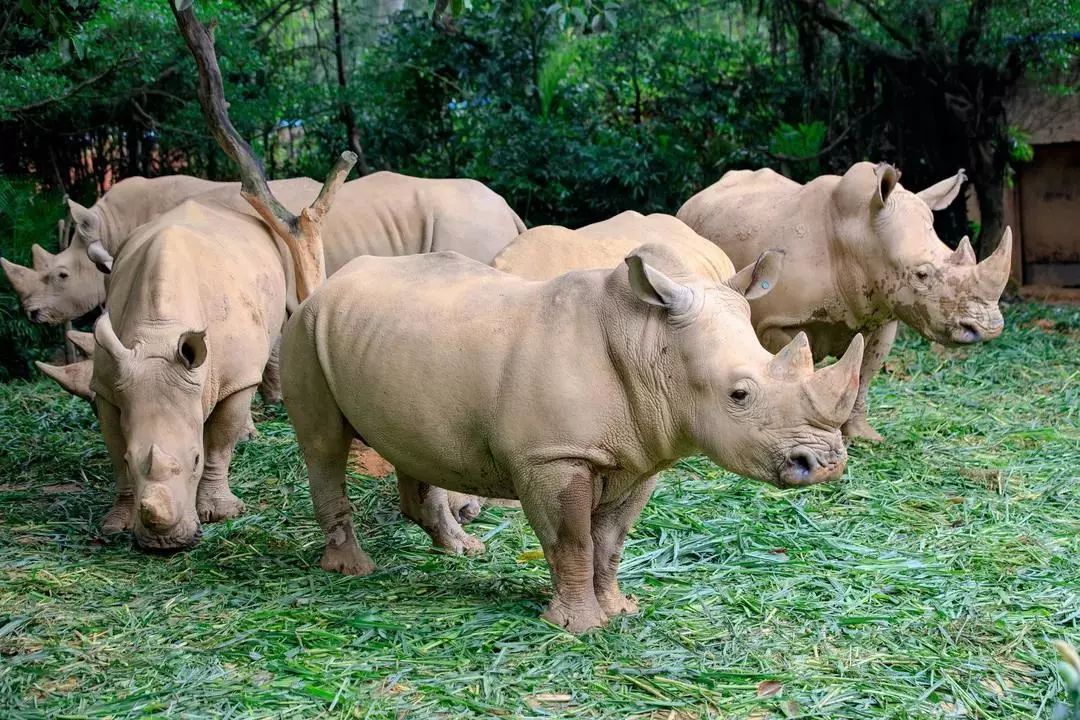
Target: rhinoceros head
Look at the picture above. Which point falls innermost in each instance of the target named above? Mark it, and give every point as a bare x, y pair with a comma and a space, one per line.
945, 295
157, 388
773, 418
64, 286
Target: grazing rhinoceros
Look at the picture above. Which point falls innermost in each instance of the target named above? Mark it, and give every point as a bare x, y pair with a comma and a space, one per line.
196, 301
70, 284
547, 251
570, 395
870, 256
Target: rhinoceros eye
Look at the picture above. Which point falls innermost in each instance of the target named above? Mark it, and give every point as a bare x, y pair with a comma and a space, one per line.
922, 275
739, 395
63, 275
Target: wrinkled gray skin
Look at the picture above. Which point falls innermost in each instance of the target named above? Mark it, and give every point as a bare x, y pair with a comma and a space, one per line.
875, 260
196, 301
569, 395
70, 284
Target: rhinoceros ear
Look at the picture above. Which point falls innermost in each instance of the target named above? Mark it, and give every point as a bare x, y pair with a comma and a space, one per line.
75, 378
888, 178
84, 217
940, 195
760, 277
191, 349
655, 288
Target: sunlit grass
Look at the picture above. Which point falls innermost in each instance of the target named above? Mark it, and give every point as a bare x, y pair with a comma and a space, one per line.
930, 582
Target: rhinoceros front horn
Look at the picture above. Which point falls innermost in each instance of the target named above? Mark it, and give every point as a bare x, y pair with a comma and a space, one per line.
832, 390
75, 378
794, 360
107, 340
993, 272
21, 278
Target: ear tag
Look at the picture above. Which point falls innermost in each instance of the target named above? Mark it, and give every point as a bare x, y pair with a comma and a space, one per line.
764, 284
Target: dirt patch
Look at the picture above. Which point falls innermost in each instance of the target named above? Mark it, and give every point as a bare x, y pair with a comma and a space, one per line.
366, 461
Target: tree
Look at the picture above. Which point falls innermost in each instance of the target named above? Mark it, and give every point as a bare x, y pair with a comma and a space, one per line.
928, 80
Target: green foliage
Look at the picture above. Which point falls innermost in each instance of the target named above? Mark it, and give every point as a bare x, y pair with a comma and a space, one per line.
27, 216
929, 583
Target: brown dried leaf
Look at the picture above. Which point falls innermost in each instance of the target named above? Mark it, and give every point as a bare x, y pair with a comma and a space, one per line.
769, 688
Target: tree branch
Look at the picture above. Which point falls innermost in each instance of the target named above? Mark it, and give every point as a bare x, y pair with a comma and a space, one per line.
302, 235
74, 90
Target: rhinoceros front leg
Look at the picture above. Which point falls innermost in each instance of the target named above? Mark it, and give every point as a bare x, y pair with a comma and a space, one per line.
557, 499
610, 525
878, 345
120, 516
229, 422
429, 507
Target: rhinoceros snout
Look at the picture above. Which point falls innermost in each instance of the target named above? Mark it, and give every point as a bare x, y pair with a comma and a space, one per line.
804, 466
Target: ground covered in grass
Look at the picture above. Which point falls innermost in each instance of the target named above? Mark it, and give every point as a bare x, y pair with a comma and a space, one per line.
930, 582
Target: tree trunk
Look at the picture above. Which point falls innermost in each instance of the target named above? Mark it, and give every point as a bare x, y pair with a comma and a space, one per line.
348, 117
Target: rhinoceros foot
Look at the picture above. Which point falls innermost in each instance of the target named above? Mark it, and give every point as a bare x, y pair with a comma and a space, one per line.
464, 508
575, 619
347, 559
120, 516
617, 605
858, 429
219, 507
456, 541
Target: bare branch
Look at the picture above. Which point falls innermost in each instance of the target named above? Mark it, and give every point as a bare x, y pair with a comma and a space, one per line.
302, 235
72, 91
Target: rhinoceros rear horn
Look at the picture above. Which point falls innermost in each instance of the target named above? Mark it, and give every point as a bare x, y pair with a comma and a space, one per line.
107, 340
963, 255
42, 258
21, 278
832, 390
75, 378
759, 277
993, 272
82, 340
794, 360
100, 256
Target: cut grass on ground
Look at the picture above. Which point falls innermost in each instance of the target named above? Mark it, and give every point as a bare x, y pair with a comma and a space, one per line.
930, 582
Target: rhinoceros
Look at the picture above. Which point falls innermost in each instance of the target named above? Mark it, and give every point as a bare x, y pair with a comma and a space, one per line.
547, 251
871, 258
70, 284
196, 301
570, 395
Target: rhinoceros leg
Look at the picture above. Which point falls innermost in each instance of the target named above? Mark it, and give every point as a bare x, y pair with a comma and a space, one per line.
610, 525
428, 506
121, 515
270, 387
557, 499
878, 345
229, 422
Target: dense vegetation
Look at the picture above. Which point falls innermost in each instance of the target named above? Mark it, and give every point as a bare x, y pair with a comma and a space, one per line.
930, 582
574, 110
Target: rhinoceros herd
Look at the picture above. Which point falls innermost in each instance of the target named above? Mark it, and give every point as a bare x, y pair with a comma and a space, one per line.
562, 368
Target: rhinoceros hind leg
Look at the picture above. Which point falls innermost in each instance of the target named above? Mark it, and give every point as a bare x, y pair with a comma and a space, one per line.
270, 387
230, 421
557, 500
429, 507
610, 525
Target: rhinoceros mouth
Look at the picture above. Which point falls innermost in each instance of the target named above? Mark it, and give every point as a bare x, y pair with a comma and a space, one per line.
170, 544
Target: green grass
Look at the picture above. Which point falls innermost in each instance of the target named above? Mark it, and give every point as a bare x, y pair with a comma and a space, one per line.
930, 582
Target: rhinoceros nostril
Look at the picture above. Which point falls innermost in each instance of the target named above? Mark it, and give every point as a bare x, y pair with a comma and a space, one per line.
802, 462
